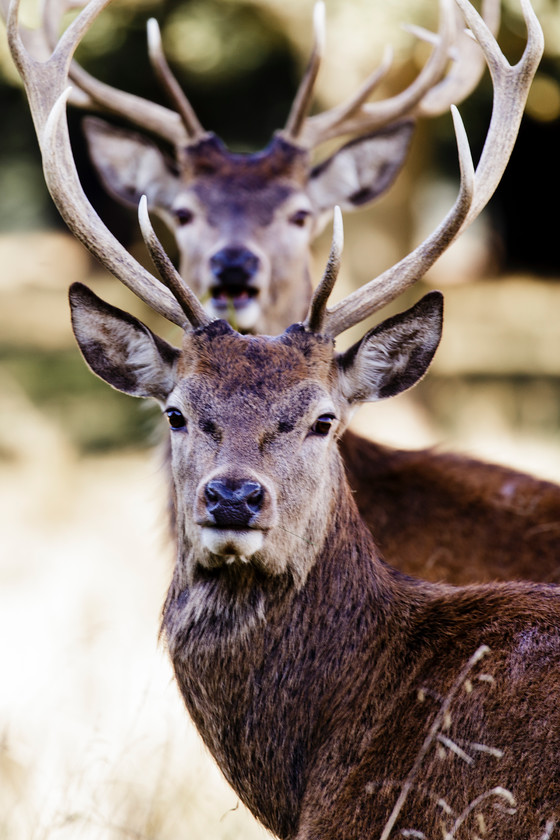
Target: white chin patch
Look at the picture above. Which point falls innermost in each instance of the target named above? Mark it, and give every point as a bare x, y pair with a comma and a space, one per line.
232, 544
245, 316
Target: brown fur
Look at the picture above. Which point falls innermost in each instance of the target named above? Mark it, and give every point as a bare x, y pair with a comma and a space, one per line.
341, 698
446, 517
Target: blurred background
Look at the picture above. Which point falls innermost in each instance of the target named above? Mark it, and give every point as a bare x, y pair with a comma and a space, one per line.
94, 742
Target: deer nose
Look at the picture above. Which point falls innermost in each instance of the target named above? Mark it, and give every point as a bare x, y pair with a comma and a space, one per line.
234, 265
233, 503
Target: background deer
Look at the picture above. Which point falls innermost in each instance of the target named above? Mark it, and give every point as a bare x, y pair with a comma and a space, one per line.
244, 224
340, 698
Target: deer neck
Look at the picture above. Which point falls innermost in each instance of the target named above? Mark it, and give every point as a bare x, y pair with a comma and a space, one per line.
259, 671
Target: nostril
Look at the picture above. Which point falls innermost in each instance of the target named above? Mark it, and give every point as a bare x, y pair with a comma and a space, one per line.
213, 494
254, 496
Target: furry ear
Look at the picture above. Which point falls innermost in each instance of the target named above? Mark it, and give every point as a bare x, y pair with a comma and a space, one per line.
119, 348
361, 170
129, 164
393, 356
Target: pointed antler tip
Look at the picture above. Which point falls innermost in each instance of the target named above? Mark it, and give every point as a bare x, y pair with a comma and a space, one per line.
143, 215
153, 34
338, 230
319, 24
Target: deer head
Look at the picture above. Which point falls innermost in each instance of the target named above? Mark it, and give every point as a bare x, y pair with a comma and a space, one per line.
244, 222
254, 421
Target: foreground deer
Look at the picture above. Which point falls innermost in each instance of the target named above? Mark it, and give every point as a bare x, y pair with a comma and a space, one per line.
244, 224
340, 698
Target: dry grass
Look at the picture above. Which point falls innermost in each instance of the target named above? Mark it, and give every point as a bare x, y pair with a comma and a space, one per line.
94, 741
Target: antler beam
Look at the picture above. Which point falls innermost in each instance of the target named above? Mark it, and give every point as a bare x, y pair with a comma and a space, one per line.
436, 87
432, 92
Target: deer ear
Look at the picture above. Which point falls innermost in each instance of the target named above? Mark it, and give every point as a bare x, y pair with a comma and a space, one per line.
361, 170
394, 355
129, 164
119, 348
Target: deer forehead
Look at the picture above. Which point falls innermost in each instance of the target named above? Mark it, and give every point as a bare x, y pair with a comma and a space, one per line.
248, 200
220, 367
248, 187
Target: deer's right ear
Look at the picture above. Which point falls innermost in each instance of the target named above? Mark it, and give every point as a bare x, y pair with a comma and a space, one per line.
120, 349
395, 355
129, 164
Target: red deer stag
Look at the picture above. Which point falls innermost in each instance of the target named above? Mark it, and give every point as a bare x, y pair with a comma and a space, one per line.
458, 519
341, 698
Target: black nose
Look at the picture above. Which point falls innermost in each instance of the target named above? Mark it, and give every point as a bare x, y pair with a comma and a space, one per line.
234, 265
231, 503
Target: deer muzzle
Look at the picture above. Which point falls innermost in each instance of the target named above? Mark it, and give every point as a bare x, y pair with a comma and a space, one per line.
235, 284
234, 514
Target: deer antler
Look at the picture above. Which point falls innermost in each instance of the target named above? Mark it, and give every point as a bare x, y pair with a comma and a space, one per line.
432, 92
190, 304
89, 93
511, 86
46, 86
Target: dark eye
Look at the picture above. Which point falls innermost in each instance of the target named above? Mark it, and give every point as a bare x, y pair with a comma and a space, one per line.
322, 424
299, 219
176, 419
184, 216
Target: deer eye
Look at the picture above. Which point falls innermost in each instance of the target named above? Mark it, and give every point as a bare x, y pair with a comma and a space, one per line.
299, 218
176, 419
184, 216
322, 424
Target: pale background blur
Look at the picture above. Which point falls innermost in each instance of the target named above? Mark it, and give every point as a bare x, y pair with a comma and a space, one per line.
94, 742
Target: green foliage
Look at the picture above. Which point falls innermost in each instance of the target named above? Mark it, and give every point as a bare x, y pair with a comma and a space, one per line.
94, 418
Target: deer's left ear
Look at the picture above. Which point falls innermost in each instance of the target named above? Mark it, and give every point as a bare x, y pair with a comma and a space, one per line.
361, 170
120, 349
394, 355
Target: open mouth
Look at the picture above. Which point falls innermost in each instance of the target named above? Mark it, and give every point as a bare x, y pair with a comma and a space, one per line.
237, 296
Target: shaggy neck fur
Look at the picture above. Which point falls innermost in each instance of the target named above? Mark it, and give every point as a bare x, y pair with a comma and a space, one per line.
238, 638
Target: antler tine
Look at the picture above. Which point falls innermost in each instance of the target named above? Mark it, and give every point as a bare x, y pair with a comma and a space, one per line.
45, 84
169, 83
188, 301
318, 307
467, 68
88, 92
161, 121
302, 100
358, 117
511, 87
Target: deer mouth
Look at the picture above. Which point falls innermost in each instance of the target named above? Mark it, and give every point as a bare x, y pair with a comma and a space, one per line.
232, 542
227, 295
